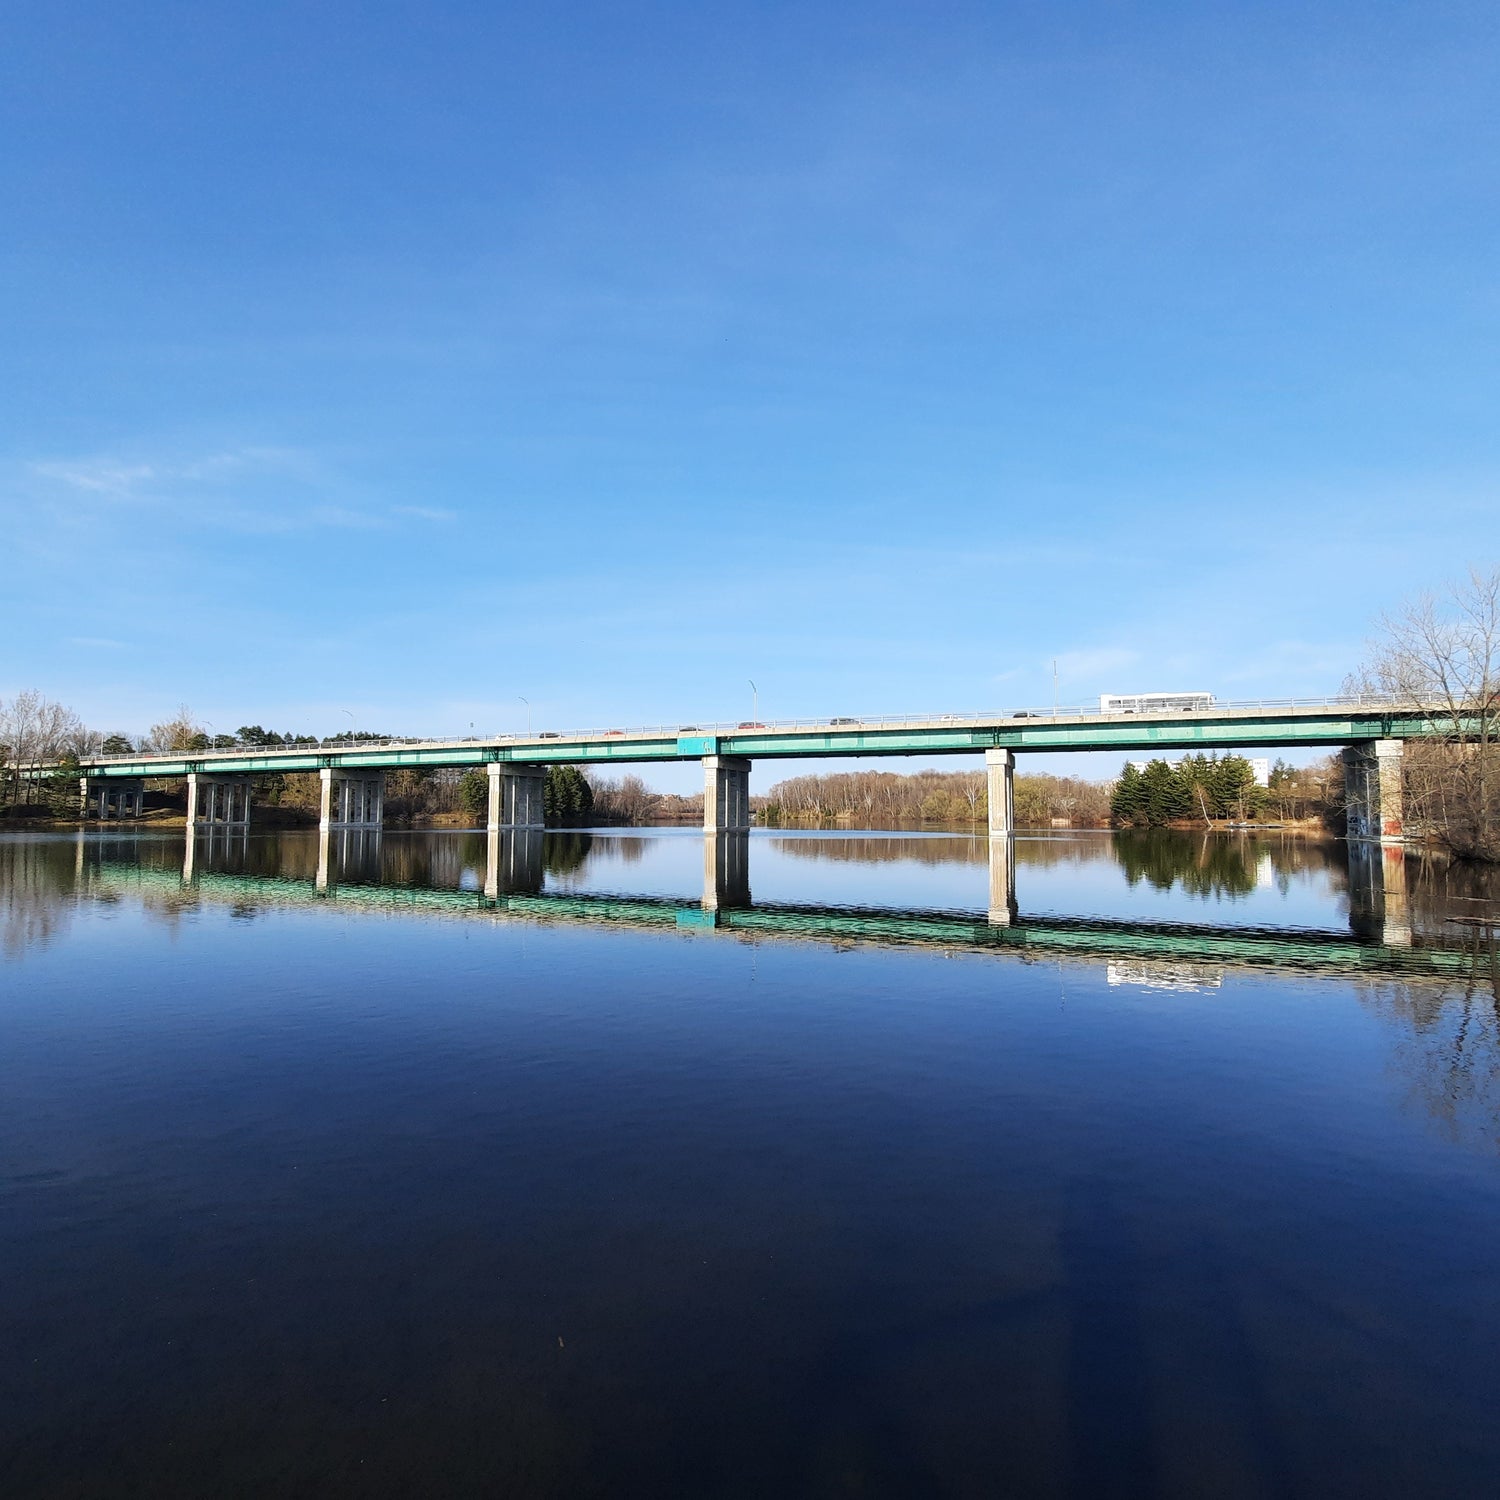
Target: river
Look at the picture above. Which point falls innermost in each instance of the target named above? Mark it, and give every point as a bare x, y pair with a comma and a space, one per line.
816, 1164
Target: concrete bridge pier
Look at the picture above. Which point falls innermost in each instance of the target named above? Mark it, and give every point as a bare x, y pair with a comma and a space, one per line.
351, 799
516, 795
1003, 909
726, 794
1372, 790
115, 797
513, 864
1001, 765
217, 801
726, 871
1379, 910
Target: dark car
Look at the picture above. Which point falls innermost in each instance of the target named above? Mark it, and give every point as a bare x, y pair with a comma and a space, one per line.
843, 721
750, 724
549, 734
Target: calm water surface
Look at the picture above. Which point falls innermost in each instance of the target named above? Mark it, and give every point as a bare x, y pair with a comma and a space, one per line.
833, 1165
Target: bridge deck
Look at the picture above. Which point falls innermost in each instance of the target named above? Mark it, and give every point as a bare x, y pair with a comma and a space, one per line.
1228, 726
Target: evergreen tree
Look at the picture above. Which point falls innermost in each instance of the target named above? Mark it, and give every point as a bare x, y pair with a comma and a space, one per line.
1237, 794
1198, 776
474, 793
1165, 793
1127, 804
566, 795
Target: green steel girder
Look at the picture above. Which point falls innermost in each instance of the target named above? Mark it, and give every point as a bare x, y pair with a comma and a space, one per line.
1150, 734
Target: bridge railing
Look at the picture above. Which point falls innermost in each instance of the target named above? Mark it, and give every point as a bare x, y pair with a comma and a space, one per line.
848, 723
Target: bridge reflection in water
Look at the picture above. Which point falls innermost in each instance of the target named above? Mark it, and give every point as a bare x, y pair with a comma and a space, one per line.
359, 868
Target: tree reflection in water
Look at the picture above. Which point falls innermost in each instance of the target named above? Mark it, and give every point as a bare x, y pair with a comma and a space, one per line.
566, 852
1447, 1049
37, 881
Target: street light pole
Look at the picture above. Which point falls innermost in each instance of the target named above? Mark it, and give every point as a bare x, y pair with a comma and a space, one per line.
755, 700
527, 702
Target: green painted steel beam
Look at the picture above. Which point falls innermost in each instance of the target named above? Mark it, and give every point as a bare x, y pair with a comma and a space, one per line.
1125, 734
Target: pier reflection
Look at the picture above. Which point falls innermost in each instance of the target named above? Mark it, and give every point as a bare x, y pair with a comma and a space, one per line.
537, 876
726, 871
1002, 860
1378, 906
513, 862
1373, 903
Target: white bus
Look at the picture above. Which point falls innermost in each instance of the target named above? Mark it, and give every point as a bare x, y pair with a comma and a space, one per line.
1153, 703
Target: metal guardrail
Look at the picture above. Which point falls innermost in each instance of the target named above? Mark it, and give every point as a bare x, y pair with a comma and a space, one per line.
849, 724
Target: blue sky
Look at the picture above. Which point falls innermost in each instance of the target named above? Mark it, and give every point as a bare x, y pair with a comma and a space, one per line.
400, 361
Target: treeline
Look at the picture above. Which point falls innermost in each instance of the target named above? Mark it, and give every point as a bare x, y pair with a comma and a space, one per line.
1214, 788
183, 732
882, 799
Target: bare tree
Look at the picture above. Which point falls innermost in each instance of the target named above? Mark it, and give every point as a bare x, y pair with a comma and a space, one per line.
179, 733
35, 733
1439, 658
628, 800
888, 799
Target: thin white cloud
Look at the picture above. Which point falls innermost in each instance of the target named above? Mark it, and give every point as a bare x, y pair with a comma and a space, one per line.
250, 489
96, 643
424, 512
1281, 662
97, 476
1092, 662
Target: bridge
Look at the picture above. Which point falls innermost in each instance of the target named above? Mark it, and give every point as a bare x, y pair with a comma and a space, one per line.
1372, 733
